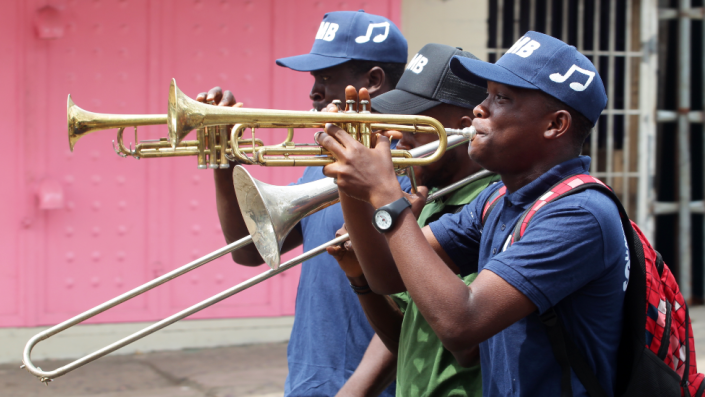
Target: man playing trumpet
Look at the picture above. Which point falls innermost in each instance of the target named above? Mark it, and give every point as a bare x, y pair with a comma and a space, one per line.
428, 88
570, 260
330, 334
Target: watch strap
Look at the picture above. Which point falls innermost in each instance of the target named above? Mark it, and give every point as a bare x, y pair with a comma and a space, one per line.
397, 206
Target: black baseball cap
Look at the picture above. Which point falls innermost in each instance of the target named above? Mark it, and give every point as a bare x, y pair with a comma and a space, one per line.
428, 82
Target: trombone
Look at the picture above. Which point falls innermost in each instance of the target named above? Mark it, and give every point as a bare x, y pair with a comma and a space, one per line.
278, 218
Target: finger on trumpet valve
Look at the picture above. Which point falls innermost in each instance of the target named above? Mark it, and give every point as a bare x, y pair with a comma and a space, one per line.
338, 104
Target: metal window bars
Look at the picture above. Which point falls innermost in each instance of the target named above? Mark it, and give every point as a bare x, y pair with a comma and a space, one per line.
683, 116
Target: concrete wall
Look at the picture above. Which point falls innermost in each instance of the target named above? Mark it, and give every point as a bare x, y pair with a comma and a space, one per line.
460, 23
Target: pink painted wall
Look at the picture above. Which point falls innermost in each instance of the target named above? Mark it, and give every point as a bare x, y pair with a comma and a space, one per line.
125, 221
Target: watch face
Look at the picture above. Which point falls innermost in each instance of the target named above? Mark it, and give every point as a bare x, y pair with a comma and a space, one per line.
383, 219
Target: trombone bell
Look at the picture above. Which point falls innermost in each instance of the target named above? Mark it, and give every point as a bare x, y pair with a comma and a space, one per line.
270, 212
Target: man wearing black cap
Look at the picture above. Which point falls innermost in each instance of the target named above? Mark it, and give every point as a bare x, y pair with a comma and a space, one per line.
428, 88
330, 334
543, 98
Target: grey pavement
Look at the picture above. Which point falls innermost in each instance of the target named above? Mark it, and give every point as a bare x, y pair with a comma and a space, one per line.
248, 371
251, 371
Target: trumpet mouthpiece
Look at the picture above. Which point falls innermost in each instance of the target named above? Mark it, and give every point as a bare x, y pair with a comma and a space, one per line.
467, 132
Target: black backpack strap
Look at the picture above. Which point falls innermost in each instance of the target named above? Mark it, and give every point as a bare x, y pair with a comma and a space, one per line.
659, 263
568, 356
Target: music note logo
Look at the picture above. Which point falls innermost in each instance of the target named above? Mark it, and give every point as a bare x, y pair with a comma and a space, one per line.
559, 78
379, 38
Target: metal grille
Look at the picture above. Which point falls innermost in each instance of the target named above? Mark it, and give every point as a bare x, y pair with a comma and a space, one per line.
678, 92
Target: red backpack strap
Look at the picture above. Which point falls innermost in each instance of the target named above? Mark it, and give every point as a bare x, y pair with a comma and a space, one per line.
492, 202
563, 188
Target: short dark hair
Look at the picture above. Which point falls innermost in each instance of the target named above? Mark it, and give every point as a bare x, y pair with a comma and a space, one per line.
392, 70
580, 126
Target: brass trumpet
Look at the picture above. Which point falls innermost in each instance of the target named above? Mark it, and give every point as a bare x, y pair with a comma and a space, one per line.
211, 146
186, 114
216, 147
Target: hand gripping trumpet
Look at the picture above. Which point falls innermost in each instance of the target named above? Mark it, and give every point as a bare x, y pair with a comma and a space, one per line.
270, 213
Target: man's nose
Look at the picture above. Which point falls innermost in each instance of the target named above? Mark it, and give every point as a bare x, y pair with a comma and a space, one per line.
316, 94
480, 112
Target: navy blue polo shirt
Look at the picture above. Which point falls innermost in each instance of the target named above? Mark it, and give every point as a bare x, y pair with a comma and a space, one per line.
572, 256
330, 333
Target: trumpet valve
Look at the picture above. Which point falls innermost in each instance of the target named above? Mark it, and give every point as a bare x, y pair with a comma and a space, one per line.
350, 106
363, 106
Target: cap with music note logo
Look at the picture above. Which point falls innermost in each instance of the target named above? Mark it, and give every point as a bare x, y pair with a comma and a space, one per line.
347, 35
541, 62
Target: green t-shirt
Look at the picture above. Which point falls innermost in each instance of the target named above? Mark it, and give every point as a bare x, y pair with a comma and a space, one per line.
424, 367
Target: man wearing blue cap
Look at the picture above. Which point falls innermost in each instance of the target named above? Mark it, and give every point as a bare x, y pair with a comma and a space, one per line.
330, 333
543, 98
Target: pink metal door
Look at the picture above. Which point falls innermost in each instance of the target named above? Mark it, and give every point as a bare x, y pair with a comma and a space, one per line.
15, 197
120, 222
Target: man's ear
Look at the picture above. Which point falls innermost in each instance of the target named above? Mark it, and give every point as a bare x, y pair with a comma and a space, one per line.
376, 79
465, 121
559, 124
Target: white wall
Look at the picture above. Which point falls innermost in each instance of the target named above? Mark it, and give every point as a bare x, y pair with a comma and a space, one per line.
460, 23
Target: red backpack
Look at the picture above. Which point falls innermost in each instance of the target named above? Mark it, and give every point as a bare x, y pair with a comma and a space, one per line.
657, 353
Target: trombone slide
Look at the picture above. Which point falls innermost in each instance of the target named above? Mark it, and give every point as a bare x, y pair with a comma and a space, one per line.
48, 376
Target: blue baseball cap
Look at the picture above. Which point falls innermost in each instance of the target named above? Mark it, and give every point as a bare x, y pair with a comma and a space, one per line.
541, 62
348, 35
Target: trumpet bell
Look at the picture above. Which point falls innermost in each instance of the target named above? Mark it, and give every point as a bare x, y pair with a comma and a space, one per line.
71, 109
271, 212
82, 122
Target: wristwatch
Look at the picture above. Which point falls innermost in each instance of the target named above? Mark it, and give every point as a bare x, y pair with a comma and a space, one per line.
384, 217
